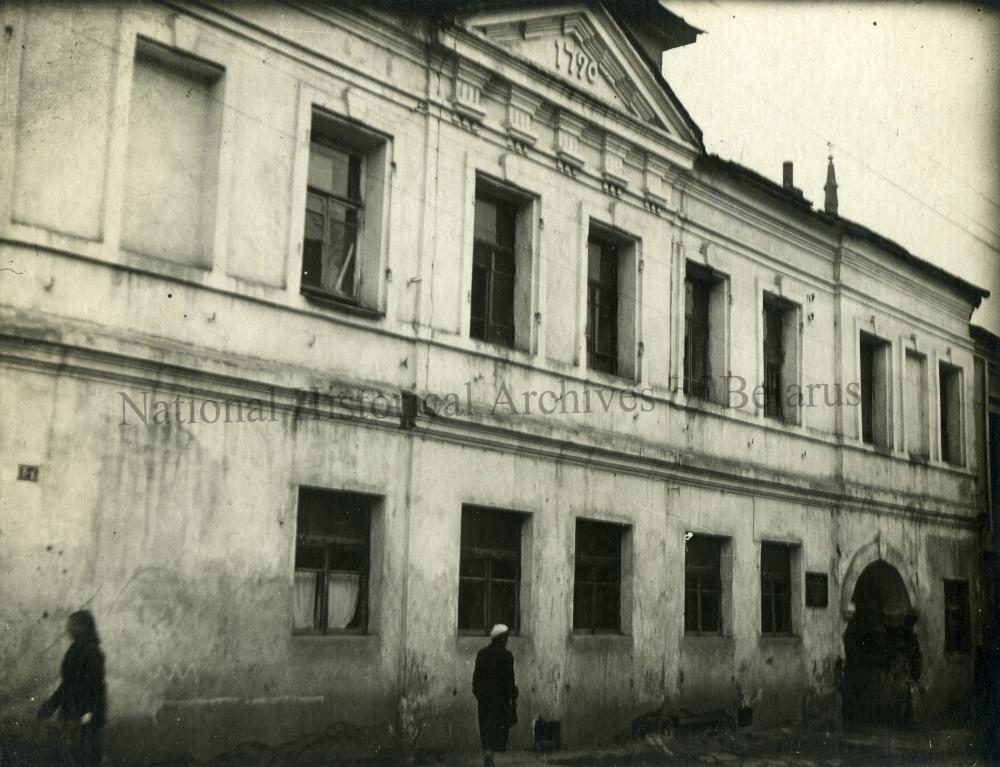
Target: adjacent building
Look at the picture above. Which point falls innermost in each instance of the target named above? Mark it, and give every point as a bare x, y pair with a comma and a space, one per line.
333, 334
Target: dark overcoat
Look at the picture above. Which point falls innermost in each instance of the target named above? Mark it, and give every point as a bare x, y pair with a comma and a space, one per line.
82, 687
495, 691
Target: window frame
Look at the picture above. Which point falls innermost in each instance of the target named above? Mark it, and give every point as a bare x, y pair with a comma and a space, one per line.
916, 410
356, 206
312, 540
514, 206
698, 286
592, 563
610, 250
697, 571
355, 130
491, 554
951, 424
875, 385
768, 579
788, 371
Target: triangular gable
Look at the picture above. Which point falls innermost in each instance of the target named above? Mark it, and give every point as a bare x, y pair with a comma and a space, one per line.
587, 49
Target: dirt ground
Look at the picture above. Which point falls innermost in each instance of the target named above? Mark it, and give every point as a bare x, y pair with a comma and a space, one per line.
723, 745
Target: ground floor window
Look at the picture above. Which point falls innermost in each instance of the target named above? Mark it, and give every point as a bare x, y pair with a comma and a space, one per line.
597, 581
489, 582
332, 554
775, 588
703, 585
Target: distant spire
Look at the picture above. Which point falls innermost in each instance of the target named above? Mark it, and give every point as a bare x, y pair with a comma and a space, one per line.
830, 203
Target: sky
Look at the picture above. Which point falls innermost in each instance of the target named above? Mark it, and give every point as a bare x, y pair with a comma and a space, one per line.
906, 96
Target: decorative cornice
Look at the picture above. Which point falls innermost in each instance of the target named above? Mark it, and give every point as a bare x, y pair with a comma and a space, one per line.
467, 96
521, 108
613, 164
569, 128
645, 460
656, 191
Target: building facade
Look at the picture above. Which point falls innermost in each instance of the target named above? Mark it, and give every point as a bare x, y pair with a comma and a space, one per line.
333, 334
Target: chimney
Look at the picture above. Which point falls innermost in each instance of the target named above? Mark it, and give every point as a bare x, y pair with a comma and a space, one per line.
787, 179
830, 202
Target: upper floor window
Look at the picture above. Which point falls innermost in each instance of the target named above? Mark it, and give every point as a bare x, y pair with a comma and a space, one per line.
332, 554
876, 391
950, 393
489, 569
704, 333
611, 302
333, 214
775, 588
597, 580
344, 205
501, 265
780, 358
602, 305
915, 421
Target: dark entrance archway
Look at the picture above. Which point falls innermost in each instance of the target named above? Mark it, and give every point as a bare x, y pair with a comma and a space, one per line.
882, 657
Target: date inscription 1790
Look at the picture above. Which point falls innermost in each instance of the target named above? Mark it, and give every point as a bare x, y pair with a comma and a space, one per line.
574, 62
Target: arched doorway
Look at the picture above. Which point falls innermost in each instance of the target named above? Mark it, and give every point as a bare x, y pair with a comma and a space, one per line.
882, 657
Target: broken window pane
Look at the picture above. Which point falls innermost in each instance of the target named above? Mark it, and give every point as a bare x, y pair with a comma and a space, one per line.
333, 211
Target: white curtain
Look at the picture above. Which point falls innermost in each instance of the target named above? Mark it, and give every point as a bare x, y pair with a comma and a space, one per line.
304, 599
342, 598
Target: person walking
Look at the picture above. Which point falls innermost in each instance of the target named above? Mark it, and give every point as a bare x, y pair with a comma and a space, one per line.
495, 691
80, 697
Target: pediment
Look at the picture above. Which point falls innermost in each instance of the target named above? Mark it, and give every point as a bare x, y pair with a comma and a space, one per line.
587, 50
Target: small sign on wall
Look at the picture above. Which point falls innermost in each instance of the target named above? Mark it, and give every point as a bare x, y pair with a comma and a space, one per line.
816, 590
27, 472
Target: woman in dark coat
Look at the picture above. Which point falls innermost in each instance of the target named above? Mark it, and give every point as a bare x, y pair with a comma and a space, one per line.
494, 688
80, 698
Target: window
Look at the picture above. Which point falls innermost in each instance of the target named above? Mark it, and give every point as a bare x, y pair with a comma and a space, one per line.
956, 616
501, 265
598, 577
950, 392
915, 405
817, 590
775, 588
780, 358
704, 332
602, 305
171, 158
493, 272
489, 582
703, 585
875, 391
340, 248
697, 366
333, 213
332, 561
611, 302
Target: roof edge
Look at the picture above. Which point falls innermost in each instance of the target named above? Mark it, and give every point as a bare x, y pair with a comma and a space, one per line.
743, 174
